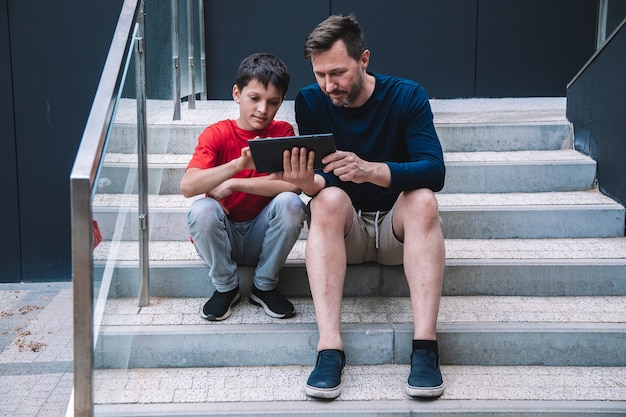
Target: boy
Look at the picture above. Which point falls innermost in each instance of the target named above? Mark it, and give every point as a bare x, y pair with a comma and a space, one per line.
245, 217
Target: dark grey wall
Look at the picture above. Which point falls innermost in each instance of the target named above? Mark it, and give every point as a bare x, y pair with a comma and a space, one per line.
455, 48
596, 103
235, 29
534, 47
9, 225
52, 53
56, 53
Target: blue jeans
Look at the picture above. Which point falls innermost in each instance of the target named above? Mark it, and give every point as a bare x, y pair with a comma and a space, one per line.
264, 241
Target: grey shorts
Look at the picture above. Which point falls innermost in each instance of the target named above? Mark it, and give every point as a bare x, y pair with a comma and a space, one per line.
371, 239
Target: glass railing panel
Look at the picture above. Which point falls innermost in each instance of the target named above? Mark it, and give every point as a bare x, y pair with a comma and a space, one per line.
191, 46
611, 13
106, 193
98, 228
187, 31
116, 258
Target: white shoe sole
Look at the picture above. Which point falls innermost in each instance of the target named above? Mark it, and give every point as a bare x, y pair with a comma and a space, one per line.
258, 302
324, 393
425, 392
226, 315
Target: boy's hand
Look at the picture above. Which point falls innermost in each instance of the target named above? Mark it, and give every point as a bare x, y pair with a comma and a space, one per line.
245, 161
220, 192
298, 168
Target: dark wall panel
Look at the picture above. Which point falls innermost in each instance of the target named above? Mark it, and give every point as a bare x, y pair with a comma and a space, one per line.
9, 226
608, 124
595, 105
534, 47
235, 29
58, 51
430, 42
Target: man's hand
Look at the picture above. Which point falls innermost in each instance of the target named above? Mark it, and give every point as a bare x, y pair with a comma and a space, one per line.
347, 166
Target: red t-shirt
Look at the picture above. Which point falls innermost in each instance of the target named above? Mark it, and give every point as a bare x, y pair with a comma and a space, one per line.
221, 143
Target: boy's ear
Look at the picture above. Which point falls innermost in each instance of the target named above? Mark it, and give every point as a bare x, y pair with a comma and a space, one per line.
236, 94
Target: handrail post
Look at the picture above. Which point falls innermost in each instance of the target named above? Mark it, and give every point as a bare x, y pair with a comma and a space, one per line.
602, 17
82, 277
175, 60
190, 56
203, 93
142, 158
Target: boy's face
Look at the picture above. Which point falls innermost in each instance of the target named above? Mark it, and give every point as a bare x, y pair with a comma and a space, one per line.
257, 105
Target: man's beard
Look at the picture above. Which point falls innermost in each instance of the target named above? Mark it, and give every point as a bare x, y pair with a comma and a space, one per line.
352, 94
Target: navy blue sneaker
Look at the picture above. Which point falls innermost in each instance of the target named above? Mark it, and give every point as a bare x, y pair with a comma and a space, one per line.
325, 380
425, 379
219, 305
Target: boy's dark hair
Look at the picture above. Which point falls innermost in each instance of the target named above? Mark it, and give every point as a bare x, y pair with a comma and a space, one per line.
265, 68
324, 36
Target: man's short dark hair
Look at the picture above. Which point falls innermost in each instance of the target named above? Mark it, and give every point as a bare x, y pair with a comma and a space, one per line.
324, 36
265, 68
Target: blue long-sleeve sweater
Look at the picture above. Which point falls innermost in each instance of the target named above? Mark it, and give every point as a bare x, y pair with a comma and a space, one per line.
394, 126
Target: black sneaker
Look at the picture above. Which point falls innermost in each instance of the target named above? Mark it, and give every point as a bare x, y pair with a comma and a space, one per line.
219, 305
325, 380
272, 301
425, 379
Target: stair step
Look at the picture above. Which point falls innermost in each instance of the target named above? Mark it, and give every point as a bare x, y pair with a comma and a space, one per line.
536, 267
531, 215
476, 330
531, 321
576, 214
521, 171
467, 172
462, 125
366, 391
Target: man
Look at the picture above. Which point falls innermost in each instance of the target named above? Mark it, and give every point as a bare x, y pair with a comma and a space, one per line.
375, 199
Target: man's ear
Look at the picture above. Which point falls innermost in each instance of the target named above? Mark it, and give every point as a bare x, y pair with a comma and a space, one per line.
365, 59
236, 94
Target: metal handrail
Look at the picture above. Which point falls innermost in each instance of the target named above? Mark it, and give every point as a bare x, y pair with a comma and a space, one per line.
142, 161
175, 61
129, 31
82, 178
600, 49
191, 61
190, 56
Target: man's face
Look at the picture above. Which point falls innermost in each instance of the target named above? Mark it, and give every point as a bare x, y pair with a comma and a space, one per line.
257, 105
339, 75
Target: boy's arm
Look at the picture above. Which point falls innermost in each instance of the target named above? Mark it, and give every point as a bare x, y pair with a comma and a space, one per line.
267, 186
199, 181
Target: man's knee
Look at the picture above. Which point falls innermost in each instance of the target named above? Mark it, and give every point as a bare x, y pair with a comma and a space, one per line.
420, 207
331, 207
331, 199
422, 200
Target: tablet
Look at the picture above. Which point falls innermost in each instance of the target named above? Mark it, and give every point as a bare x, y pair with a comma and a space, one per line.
268, 152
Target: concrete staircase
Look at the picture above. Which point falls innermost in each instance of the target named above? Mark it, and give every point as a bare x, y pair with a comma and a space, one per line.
532, 322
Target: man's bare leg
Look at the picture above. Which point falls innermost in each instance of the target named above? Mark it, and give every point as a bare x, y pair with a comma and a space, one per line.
418, 226
326, 266
326, 262
416, 223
